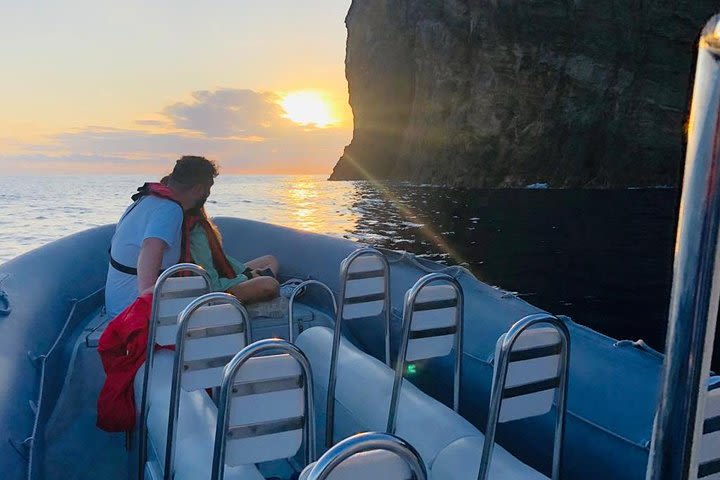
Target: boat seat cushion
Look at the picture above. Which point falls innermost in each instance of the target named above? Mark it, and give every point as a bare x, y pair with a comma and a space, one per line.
196, 426
364, 387
462, 457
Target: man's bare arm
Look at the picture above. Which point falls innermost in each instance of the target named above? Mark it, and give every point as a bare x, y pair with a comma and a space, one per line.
149, 263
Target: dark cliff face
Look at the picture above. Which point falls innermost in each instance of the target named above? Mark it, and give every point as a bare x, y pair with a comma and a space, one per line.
494, 93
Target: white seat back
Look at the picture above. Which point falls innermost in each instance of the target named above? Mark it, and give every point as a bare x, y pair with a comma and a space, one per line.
532, 377
432, 327
176, 293
210, 331
215, 333
531, 366
709, 457
266, 409
170, 297
368, 456
433, 322
365, 283
364, 294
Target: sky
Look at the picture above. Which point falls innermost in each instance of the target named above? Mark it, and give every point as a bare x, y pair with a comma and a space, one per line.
97, 86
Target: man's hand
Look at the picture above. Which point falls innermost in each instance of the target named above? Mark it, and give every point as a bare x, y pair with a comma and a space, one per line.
149, 263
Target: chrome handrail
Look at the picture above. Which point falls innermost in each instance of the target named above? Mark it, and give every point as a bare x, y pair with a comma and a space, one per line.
217, 298
150, 352
696, 286
332, 378
229, 373
364, 442
408, 307
291, 303
496, 396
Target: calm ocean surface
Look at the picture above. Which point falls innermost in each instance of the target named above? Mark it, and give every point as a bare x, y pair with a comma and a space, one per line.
602, 257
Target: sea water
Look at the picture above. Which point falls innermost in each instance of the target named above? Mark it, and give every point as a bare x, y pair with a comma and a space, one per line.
602, 257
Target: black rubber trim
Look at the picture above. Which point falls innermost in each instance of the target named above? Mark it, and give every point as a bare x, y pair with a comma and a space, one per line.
531, 353
435, 305
533, 387
432, 332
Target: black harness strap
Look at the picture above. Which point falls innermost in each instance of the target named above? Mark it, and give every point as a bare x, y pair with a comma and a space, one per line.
122, 268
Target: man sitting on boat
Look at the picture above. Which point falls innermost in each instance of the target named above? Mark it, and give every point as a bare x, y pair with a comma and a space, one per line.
149, 236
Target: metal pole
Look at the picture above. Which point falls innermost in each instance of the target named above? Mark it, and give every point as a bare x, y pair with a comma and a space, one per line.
366, 442
694, 299
332, 377
408, 311
150, 353
498, 390
291, 303
231, 370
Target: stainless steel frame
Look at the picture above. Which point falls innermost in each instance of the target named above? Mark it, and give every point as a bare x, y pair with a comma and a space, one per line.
408, 309
150, 353
217, 298
291, 303
696, 286
364, 442
332, 380
275, 345
498, 390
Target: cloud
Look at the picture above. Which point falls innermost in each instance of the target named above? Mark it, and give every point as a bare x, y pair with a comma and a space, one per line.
152, 123
228, 112
243, 129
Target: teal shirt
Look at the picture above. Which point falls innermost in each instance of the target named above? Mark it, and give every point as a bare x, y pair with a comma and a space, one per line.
202, 255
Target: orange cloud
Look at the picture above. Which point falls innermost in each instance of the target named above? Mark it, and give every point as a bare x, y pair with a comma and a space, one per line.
245, 130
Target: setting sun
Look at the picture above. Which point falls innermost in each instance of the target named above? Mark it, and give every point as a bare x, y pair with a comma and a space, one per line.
307, 108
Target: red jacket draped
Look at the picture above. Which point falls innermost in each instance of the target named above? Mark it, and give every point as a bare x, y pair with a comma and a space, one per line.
122, 349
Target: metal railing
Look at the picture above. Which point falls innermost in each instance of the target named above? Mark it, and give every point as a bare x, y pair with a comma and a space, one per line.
696, 284
297, 291
344, 278
150, 352
499, 390
411, 305
365, 442
226, 392
217, 298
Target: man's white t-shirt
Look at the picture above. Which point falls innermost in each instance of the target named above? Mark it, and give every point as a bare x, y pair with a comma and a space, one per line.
152, 217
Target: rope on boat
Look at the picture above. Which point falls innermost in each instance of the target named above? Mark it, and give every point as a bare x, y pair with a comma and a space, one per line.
394, 256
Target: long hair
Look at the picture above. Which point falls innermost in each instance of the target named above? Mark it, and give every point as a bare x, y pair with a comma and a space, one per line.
204, 216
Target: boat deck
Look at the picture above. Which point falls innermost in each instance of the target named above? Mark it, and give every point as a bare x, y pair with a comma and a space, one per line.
73, 444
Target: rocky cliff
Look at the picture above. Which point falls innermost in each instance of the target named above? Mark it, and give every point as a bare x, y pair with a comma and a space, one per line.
494, 93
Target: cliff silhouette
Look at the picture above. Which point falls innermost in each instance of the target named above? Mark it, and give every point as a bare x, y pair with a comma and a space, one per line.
477, 93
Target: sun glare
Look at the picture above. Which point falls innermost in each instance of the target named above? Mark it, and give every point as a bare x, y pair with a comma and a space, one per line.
307, 108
